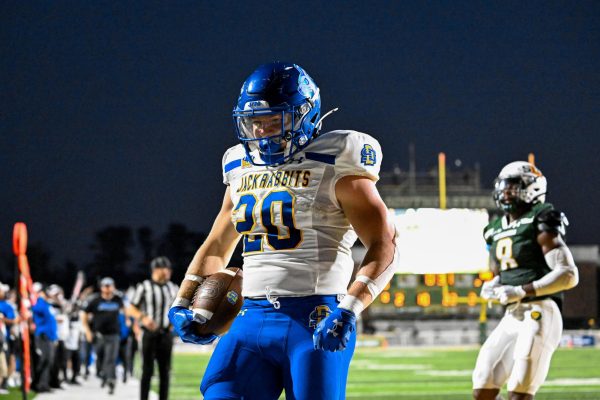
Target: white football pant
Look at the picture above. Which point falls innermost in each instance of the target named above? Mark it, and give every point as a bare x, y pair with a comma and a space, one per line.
519, 350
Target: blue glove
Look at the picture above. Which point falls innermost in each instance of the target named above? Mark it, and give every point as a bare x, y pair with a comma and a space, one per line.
182, 320
335, 331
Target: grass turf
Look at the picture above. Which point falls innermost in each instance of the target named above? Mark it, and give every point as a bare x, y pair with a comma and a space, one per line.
421, 374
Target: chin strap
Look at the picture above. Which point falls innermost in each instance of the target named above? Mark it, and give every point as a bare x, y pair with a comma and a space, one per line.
320, 121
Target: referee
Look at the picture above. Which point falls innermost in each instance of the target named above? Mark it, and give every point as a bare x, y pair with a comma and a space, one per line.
150, 306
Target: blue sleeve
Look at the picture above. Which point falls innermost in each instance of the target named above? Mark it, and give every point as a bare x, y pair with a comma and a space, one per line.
38, 307
123, 325
41, 309
7, 310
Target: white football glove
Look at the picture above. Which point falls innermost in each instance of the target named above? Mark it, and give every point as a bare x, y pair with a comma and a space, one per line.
487, 289
509, 294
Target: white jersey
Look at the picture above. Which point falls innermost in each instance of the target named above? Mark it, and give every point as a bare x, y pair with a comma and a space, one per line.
297, 239
62, 323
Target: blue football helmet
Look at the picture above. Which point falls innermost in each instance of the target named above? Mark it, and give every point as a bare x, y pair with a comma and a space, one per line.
277, 113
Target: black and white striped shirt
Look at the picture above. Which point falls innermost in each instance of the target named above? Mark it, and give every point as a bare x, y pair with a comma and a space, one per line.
154, 300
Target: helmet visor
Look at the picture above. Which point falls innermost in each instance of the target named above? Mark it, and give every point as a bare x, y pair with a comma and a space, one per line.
508, 190
275, 132
265, 125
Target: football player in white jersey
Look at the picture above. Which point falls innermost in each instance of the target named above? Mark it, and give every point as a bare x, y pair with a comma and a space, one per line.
299, 198
533, 265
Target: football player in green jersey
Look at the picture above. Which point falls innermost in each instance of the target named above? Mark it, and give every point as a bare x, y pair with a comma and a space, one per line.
532, 266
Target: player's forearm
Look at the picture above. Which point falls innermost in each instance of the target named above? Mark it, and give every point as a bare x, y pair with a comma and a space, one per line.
210, 258
194, 276
377, 270
564, 274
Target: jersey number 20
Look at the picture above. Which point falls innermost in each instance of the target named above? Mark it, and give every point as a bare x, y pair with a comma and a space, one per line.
276, 216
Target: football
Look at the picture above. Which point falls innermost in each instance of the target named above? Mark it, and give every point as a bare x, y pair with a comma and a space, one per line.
218, 299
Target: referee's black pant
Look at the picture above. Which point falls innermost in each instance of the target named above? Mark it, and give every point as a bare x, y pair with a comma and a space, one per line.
157, 346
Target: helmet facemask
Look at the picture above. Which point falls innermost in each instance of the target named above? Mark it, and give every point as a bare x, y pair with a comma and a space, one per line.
518, 186
510, 194
271, 136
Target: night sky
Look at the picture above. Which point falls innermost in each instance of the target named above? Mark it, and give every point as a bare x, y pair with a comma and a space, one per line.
116, 113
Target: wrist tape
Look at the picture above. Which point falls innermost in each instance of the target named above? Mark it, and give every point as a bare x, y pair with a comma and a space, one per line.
352, 303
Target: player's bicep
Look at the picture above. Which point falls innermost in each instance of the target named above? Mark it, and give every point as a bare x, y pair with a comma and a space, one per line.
364, 209
549, 240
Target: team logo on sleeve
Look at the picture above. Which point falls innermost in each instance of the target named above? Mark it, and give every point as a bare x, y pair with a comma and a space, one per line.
246, 163
317, 315
368, 155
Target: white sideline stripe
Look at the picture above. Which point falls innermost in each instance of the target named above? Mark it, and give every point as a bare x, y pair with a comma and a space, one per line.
573, 382
414, 354
90, 390
438, 395
455, 372
366, 364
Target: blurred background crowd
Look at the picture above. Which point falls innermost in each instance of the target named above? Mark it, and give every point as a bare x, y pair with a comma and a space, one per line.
94, 331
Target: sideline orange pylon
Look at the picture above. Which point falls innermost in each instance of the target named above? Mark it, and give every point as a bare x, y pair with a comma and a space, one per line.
25, 298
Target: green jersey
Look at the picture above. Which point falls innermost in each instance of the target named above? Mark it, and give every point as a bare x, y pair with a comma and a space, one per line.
515, 248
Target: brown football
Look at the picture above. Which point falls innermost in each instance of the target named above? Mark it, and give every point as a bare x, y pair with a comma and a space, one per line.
219, 299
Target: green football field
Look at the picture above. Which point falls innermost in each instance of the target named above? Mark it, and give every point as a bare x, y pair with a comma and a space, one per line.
421, 374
